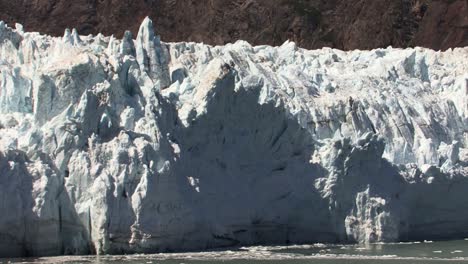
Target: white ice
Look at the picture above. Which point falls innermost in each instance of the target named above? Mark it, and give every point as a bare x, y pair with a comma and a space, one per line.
123, 146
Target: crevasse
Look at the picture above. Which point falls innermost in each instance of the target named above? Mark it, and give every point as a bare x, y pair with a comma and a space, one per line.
123, 146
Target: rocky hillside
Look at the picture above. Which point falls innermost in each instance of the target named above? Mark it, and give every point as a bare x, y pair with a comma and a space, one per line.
357, 24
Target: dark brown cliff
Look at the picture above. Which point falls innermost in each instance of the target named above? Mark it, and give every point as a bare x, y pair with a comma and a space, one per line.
344, 24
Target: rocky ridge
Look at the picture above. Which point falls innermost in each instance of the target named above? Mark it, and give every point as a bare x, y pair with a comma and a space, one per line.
312, 24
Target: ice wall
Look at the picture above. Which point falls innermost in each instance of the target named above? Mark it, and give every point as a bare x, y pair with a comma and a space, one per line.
121, 146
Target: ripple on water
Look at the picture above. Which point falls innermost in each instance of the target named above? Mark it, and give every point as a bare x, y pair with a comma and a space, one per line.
401, 253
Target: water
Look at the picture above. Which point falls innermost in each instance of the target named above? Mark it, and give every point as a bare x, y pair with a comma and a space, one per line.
399, 253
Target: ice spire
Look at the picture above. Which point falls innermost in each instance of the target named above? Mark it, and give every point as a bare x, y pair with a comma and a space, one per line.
19, 28
15, 36
66, 35
71, 37
2, 27
150, 55
127, 47
100, 39
112, 46
76, 37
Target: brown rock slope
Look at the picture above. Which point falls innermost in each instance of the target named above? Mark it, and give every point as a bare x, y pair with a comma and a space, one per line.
344, 24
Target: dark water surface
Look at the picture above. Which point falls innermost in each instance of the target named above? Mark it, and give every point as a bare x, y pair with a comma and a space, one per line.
398, 253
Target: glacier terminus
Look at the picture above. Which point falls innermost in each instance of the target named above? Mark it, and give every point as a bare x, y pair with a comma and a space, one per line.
133, 145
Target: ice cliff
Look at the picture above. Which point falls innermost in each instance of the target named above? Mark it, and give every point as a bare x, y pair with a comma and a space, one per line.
135, 145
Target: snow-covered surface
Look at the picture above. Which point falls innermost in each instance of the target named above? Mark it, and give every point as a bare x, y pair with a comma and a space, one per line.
121, 146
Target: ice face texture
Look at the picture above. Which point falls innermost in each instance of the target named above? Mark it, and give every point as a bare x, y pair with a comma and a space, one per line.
122, 146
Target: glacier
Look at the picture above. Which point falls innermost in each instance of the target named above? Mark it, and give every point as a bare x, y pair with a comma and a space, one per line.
133, 145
